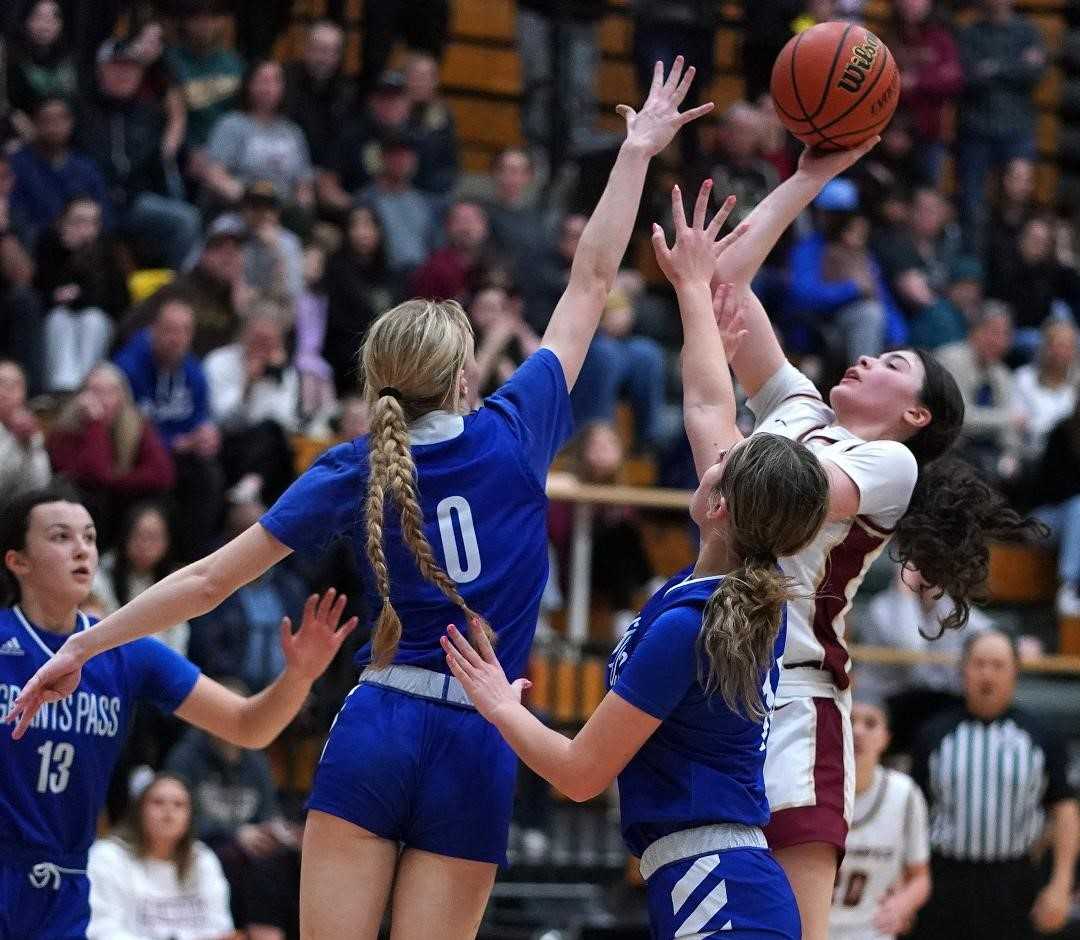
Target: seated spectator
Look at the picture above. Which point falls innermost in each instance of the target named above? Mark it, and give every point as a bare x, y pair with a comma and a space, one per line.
24, 462
836, 285
431, 122
84, 290
503, 339
208, 73
317, 399
357, 156
215, 289
916, 257
39, 64
159, 90
169, 385
108, 449
407, 215
735, 162
259, 144
519, 230
1003, 58
49, 173
124, 135
1029, 278
142, 557
1057, 485
153, 879
932, 76
884, 877
908, 616
621, 566
620, 362
319, 97
950, 318
455, 271
993, 421
273, 255
1014, 208
359, 286
424, 26
1046, 388
237, 815
255, 401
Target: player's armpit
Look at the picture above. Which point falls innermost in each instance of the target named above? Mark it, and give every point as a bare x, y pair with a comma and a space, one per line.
844, 495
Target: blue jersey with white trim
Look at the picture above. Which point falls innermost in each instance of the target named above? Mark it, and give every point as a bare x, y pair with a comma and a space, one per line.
480, 479
54, 780
705, 763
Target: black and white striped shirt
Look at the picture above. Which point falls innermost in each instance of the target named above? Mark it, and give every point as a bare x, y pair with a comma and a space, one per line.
988, 783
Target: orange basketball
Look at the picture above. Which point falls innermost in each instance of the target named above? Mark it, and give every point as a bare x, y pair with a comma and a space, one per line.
835, 85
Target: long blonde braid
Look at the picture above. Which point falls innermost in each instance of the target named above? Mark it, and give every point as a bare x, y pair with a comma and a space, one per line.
417, 350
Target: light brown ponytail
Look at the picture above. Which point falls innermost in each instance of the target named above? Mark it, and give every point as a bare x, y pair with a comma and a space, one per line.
777, 497
411, 360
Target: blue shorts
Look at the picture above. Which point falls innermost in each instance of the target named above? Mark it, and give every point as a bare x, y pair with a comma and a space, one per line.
59, 910
430, 775
737, 893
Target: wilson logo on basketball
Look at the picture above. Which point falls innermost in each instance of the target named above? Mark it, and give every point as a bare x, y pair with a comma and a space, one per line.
862, 59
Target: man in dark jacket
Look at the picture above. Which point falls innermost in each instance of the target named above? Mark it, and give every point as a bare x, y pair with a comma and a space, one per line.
123, 135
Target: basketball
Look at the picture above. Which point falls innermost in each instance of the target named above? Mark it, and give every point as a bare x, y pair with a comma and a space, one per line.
835, 85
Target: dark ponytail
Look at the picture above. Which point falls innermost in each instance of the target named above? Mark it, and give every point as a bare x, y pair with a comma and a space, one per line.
954, 514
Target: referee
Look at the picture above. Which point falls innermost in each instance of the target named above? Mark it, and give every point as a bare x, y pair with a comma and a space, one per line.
993, 779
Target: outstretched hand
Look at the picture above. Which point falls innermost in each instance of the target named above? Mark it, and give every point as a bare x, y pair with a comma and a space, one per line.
479, 671
313, 647
823, 165
56, 680
693, 257
656, 124
729, 308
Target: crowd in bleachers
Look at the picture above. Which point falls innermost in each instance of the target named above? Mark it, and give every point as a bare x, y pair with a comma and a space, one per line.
195, 235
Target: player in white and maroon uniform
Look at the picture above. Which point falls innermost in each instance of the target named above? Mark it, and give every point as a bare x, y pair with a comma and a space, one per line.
879, 439
885, 876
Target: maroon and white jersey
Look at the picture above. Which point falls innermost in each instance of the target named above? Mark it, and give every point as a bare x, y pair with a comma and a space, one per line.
829, 571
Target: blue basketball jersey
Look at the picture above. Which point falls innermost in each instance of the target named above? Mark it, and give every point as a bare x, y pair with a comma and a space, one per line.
480, 479
705, 763
53, 781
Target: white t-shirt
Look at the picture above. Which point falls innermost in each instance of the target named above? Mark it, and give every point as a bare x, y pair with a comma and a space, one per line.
1043, 405
888, 834
135, 898
830, 569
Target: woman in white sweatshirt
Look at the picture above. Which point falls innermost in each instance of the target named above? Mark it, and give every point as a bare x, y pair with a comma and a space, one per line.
152, 880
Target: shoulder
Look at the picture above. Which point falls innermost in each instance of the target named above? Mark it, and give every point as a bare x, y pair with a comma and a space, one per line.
1033, 724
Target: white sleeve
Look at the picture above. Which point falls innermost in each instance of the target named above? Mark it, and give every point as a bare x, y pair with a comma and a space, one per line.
884, 472
788, 388
112, 901
214, 890
916, 828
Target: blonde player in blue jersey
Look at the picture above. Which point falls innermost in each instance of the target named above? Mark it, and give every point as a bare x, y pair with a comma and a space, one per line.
53, 783
685, 724
411, 802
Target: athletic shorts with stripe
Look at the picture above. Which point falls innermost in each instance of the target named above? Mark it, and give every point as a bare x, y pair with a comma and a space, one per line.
735, 893
810, 771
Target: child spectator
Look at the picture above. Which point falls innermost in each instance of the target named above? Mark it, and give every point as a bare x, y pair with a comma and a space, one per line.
106, 447
24, 462
153, 880
81, 283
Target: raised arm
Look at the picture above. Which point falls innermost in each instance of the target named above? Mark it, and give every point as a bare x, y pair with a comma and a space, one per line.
604, 240
760, 355
708, 395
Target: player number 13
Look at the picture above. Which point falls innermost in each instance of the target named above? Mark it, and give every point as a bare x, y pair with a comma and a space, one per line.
56, 760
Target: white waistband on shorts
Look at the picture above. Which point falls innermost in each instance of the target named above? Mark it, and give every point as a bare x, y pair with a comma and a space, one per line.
425, 683
689, 843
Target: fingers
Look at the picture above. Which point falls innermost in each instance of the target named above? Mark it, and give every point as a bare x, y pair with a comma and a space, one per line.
694, 113
674, 75
286, 631
462, 645
626, 111
26, 713
326, 603
677, 210
657, 78
480, 640
701, 206
309, 608
721, 216
660, 247
728, 240
683, 87
336, 611
460, 668
348, 628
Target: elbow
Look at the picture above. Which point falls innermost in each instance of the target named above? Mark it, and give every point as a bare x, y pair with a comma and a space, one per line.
210, 587
581, 788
